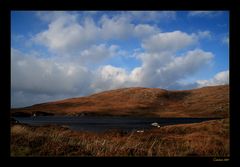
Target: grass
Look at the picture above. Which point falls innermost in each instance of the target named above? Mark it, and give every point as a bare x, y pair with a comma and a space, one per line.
210, 138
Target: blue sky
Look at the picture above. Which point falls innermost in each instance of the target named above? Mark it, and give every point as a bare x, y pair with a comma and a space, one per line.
62, 54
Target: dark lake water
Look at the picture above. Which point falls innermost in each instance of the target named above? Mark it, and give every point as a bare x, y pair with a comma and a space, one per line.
100, 124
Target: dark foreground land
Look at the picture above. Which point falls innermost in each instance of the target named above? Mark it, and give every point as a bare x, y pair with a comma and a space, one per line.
210, 138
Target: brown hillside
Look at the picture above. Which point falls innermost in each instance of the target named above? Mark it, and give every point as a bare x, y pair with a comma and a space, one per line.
204, 102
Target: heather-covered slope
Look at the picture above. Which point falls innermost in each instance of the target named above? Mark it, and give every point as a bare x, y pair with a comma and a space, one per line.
204, 102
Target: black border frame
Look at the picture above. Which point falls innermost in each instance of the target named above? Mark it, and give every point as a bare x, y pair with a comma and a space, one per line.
8, 5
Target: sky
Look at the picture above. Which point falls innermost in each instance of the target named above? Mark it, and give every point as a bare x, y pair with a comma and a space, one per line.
63, 54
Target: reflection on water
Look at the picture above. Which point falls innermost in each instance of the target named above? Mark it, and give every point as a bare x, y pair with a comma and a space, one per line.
100, 124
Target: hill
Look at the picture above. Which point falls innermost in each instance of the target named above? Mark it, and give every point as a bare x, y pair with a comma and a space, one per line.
210, 101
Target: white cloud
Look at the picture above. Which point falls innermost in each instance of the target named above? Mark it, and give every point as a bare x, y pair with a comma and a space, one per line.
225, 40
185, 65
98, 53
204, 34
163, 69
45, 76
157, 70
135, 75
117, 27
204, 13
109, 77
220, 78
155, 60
145, 30
168, 41
64, 34
113, 73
